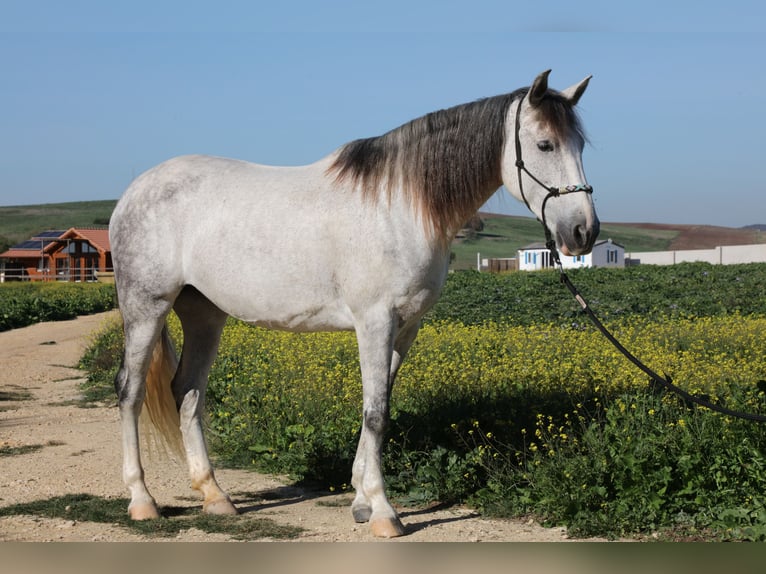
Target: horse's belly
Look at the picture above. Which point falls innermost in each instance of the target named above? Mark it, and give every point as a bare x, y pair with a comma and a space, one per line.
328, 318
290, 307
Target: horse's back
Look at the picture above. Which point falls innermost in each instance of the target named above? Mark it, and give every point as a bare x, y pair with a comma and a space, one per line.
182, 182
281, 246
197, 214
192, 195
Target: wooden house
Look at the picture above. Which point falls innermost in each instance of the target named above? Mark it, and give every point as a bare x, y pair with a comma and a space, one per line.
77, 254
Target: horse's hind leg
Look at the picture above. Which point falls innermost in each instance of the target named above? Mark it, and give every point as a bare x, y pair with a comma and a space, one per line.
202, 324
142, 330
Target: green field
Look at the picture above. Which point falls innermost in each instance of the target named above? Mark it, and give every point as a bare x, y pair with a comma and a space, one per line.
18, 223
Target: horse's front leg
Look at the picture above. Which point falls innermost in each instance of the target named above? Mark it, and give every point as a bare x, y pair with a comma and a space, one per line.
376, 344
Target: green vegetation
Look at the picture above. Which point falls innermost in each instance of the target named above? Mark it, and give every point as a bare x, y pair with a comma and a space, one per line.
101, 360
6, 450
86, 507
637, 463
19, 394
511, 402
649, 291
26, 303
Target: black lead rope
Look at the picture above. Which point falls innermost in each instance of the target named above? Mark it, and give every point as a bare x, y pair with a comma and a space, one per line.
655, 378
553, 191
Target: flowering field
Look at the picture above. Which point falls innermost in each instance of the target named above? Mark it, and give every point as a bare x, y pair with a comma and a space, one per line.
273, 392
520, 412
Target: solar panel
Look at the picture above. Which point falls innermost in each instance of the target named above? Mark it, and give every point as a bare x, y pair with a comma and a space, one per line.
27, 245
32, 244
49, 234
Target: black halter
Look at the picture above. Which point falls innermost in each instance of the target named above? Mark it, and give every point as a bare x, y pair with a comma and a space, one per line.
553, 191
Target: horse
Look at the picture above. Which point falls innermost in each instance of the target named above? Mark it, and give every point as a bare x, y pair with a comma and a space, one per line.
358, 240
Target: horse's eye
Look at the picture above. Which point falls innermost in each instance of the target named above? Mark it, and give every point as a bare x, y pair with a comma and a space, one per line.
545, 145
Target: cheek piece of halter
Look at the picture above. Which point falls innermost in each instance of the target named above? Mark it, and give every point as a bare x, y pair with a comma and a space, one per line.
553, 191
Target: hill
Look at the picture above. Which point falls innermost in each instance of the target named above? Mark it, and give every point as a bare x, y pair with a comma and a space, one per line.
20, 222
694, 236
501, 236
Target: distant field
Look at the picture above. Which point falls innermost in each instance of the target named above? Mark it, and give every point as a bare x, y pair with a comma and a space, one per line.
502, 235
18, 223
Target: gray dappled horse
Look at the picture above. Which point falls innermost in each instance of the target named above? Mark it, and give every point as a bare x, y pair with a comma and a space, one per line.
358, 240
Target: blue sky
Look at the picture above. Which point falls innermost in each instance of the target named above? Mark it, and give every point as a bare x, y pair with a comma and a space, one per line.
94, 93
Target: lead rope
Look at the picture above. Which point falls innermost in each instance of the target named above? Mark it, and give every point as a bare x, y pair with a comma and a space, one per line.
665, 382
550, 244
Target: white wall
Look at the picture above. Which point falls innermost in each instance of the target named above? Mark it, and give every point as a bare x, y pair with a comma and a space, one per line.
532, 259
726, 255
602, 258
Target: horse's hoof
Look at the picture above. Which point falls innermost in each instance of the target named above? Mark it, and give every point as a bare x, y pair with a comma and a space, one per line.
219, 507
361, 513
143, 511
387, 527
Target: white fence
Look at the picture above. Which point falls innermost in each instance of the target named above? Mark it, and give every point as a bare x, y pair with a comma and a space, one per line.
723, 255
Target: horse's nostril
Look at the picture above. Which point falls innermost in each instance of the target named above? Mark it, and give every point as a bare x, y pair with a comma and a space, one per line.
582, 235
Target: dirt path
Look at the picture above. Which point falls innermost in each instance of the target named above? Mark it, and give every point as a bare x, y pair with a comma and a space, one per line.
82, 454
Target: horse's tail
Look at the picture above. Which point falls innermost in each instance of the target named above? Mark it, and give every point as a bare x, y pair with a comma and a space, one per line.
159, 404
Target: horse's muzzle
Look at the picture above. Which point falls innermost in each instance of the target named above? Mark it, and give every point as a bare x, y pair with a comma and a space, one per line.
578, 239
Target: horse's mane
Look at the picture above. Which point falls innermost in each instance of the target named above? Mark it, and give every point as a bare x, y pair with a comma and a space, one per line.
447, 160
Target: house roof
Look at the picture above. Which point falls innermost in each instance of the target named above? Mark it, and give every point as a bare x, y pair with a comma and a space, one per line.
98, 237
533, 246
33, 244
608, 241
21, 254
540, 245
48, 240
50, 234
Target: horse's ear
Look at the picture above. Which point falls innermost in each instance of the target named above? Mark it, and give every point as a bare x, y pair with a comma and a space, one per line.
538, 89
573, 93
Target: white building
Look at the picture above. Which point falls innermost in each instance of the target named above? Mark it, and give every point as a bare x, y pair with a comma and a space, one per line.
605, 253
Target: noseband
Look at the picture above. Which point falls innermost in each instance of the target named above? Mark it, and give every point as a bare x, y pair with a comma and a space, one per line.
553, 191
